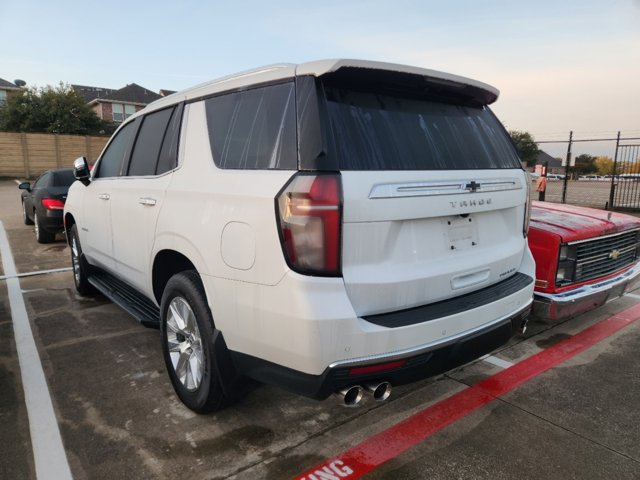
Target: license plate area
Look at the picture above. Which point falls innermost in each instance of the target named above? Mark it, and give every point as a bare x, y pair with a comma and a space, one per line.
462, 233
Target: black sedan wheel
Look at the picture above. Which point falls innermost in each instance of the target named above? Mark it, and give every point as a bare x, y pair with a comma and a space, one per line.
42, 235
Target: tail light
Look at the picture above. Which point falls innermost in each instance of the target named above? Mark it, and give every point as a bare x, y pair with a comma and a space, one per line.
309, 210
52, 204
527, 209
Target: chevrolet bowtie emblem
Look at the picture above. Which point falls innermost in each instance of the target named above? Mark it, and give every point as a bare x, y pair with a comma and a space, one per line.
472, 186
614, 254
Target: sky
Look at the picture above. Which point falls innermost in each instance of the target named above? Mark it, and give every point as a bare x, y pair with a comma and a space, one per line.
560, 65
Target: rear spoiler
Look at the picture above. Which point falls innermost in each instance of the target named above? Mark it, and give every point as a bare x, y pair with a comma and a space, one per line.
394, 78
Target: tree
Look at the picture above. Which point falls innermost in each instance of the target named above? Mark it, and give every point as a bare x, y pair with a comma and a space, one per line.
585, 164
526, 146
49, 110
634, 167
604, 165
628, 166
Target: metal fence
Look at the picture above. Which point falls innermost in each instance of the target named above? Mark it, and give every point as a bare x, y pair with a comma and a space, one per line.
625, 189
618, 191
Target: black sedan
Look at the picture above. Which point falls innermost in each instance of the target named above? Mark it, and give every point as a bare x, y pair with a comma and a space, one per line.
43, 203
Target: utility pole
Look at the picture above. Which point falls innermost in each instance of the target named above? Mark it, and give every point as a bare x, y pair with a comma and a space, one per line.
566, 169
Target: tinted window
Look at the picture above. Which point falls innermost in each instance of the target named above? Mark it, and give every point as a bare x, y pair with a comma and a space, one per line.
393, 132
62, 178
111, 161
169, 153
254, 129
311, 136
147, 147
43, 181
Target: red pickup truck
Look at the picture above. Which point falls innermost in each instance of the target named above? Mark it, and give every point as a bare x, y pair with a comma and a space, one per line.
584, 257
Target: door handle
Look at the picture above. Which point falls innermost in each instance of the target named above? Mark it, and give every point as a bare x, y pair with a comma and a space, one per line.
104, 196
147, 201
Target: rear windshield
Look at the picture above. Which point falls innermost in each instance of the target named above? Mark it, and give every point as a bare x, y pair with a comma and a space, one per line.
62, 178
375, 131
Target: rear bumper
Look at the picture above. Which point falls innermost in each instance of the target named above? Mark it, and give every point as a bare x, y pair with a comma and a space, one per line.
308, 323
412, 365
51, 220
567, 304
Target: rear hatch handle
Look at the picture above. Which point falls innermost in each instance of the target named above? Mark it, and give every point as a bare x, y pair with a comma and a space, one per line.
470, 279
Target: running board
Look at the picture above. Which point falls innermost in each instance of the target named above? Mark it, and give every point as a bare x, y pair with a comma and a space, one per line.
132, 301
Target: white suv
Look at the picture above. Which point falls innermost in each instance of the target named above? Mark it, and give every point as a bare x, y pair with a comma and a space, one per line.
321, 227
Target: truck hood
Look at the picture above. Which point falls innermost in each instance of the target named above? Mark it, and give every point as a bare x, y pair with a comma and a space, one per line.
573, 223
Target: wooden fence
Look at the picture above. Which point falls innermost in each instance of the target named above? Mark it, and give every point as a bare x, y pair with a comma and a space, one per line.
27, 155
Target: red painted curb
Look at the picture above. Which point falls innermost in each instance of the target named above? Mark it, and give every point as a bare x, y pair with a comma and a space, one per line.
390, 443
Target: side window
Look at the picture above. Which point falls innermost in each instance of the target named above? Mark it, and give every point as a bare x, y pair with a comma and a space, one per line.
169, 153
254, 129
147, 146
43, 181
62, 178
111, 161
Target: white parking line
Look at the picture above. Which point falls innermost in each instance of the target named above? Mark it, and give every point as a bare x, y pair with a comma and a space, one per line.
632, 295
37, 272
49, 456
498, 362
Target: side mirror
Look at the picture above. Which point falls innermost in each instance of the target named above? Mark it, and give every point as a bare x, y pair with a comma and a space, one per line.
25, 186
81, 170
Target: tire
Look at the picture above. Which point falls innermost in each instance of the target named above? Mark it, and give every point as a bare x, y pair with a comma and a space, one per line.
25, 217
42, 235
187, 332
80, 266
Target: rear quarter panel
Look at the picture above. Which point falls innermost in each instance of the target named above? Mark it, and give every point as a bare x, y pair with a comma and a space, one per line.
224, 221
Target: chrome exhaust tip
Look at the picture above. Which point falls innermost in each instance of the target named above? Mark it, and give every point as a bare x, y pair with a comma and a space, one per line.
351, 396
380, 391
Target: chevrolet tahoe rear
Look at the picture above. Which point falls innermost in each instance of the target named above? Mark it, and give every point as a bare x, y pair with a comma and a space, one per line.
322, 227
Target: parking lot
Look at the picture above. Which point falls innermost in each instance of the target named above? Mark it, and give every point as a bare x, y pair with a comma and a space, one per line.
579, 192
562, 401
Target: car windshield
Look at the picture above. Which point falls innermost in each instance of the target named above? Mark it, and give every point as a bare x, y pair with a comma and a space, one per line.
62, 178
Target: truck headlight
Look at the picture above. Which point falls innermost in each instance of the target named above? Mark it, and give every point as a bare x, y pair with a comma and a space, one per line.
566, 271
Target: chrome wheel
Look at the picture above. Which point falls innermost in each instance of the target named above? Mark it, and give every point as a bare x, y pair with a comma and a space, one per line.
81, 269
37, 225
185, 344
75, 259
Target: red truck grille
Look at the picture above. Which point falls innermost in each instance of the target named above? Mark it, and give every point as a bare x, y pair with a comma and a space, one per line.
604, 255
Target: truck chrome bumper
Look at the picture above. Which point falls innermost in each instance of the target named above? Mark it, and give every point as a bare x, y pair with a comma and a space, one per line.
559, 306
